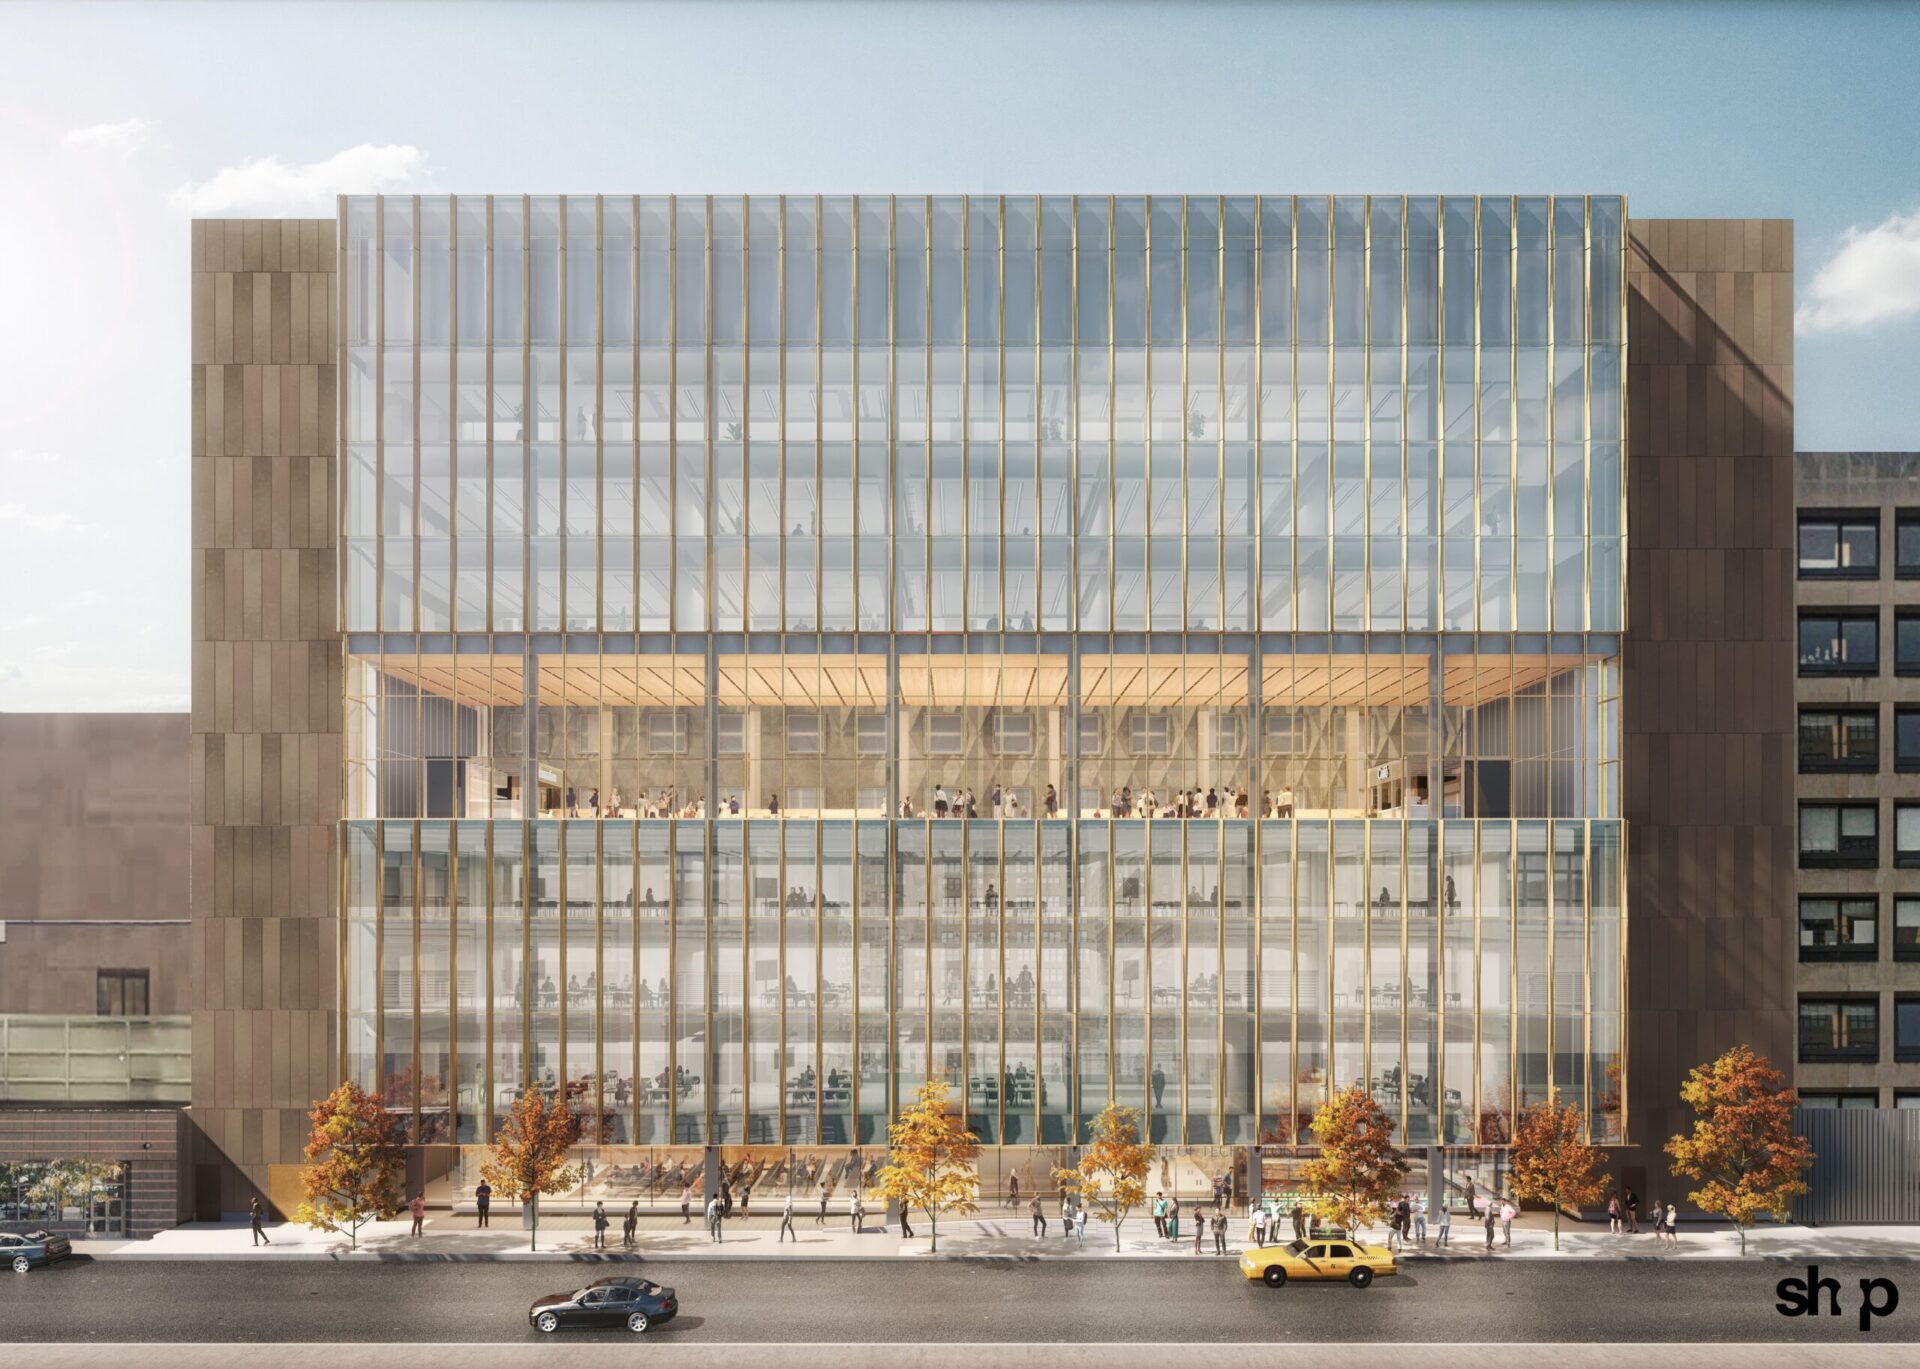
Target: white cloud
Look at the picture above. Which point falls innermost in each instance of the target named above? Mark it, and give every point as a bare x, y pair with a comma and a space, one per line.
1872, 277
20, 518
121, 140
269, 187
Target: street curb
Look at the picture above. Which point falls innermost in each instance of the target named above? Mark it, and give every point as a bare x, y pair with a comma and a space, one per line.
696, 1257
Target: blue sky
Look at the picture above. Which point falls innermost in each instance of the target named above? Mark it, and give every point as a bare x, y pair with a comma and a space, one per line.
117, 124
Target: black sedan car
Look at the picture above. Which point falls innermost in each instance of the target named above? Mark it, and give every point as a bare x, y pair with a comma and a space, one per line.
633, 1303
23, 1252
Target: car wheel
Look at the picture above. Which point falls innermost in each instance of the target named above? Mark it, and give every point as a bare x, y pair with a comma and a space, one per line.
21, 1264
1360, 1276
637, 1323
1275, 1276
546, 1323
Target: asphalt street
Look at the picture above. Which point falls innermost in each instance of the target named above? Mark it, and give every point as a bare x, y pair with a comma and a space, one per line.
947, 1301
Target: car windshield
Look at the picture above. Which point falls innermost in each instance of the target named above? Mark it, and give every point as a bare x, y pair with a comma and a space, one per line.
1297, 1248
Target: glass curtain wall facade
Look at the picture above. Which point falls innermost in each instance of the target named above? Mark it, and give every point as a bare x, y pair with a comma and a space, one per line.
1153, 649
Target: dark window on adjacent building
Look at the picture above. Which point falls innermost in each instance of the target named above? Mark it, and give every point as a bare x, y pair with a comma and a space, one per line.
1906, 544
1906, 834
1839, 1029
1839, 739
1839, 836
1906, 929
1907, 1101
1906, 1028
1906, 643
1838, 1100
1906, 739
1839, 928
1839, 643
120, 993
1839, 545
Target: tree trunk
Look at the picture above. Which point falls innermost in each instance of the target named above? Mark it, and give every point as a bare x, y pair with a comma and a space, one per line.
1556, 1226
933, 1227
1116, 1234
1743, 1239
533, 1234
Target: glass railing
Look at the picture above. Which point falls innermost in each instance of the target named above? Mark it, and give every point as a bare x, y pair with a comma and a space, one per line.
95, 1059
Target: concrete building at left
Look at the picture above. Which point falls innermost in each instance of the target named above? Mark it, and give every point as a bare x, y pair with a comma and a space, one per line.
96, 971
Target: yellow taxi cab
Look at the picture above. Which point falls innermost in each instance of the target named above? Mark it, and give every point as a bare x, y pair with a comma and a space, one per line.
1328, 1257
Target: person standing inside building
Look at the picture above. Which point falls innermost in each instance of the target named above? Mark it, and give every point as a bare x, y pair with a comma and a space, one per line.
786, 1222
482, 1201
256, 1217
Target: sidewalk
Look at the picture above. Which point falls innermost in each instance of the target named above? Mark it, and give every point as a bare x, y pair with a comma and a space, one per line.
984, 1236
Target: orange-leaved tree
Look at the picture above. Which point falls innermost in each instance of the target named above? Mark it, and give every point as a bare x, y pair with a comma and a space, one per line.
1112, 1174
356, 1162
1742, 1150
1358, 1170
930, 1158
1551, 1161
529, 1155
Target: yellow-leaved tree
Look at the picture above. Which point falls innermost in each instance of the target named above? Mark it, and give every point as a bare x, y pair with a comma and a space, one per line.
356, 1161
930, 1158
1743, 1149
1551, 1161
1112, 1174
529, 1155
1358, 1170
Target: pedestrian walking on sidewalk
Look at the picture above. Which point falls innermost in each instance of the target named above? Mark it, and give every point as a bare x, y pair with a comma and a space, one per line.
1299, 1221
630, 1225
821, 1220
1013, 1191
1220, 1231
1257, 1226
1673, 1223
1199, 1228
746, 1202
1490, 1220
786, 1222
1446, 1224
1039, 1214
256, 1215
1080, 1225
1066, 1216
906, 1228
600, 1226
418, 1207
1420, 1218
482, 1201
1173, 1218
1613, 1213
857, 1212
1633, 1213
1160, 1215
1506, 1223
686, 1204
713, 1218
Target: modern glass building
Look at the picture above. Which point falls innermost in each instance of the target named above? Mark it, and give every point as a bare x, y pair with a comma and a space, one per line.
1154, 649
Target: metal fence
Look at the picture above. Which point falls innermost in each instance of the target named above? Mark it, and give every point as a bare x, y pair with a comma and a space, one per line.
1866, 1165
47, 1059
